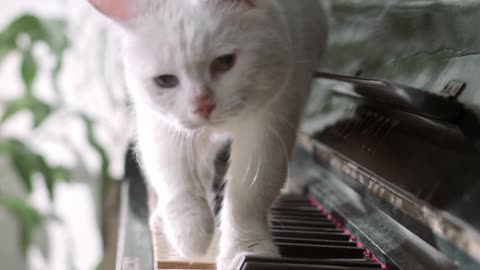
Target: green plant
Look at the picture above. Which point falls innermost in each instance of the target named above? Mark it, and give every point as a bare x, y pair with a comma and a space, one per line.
20, 37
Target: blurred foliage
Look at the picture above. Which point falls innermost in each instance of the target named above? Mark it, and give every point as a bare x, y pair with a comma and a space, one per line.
20, 37
40, 110
27, 163
29, 218
105, 163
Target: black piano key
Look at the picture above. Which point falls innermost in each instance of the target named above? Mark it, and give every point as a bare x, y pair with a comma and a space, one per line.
293, 200
319, 251
286, 197
291, 196
300, 223
308, 239
352, 263
297, 208
288, 266
310, 235
291, 204
315, 242
297, 212
282, 266
275, 216
308, 229
300, 216
293, 207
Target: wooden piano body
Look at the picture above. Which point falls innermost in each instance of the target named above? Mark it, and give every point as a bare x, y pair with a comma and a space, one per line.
392, 165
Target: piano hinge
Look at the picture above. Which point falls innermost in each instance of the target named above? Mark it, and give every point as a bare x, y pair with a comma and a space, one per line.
453, 89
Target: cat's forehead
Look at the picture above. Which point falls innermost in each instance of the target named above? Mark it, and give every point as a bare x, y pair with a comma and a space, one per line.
193, 17
192, 35
181, 41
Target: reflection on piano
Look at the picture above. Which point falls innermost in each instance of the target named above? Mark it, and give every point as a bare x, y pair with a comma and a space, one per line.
392, 183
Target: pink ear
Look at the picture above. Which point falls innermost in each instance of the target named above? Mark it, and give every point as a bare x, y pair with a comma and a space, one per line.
120, 10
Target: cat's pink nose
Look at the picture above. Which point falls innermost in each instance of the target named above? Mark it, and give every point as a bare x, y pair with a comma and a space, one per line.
205, 111
204, 106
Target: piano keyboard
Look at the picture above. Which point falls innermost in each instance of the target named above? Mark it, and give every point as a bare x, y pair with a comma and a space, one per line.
308, 239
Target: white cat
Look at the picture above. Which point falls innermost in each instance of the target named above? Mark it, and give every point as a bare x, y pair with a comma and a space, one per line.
204, 71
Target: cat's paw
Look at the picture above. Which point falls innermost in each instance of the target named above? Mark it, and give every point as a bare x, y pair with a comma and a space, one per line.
156, 221
231, 257
189, 225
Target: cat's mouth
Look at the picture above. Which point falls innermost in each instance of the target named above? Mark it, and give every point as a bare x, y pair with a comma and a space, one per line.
202, 124
217, 120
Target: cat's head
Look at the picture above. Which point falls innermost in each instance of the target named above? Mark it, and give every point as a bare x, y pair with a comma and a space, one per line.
198, 63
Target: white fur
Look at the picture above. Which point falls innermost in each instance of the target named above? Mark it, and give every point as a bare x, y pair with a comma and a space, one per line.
259, 104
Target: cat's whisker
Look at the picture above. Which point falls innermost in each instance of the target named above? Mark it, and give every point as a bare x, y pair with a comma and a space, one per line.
205, 163
284, 147
184, 149
247, 171
259, 165
190, 158
182, 146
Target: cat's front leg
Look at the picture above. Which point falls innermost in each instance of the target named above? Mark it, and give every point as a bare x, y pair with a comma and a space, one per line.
169, 160
259, 163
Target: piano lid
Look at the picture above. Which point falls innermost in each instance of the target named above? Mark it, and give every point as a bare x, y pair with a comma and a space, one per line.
419, 148
424, 45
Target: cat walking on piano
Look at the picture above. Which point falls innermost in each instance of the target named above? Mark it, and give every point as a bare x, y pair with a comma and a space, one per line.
204, 72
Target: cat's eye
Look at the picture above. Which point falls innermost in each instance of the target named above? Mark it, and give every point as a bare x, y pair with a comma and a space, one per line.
223, 63
167, 81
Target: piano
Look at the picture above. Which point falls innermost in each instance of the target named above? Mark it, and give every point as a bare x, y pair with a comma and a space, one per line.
393, 182
386, 173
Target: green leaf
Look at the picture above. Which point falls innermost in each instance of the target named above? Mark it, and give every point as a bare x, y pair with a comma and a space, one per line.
29, 71
24, 24
4, 148
14, 106
50, 31
39, 109
51, 175
29, 218
22, 160
56, 35
6, 48
26, 163
36, 29
25, 168
105, 163
47, 174
61, 173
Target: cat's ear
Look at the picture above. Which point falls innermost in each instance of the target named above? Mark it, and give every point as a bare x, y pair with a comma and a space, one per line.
117, 10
